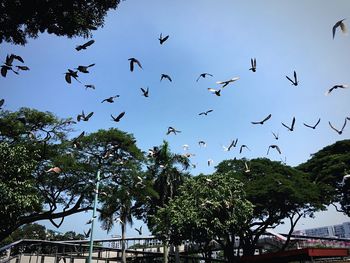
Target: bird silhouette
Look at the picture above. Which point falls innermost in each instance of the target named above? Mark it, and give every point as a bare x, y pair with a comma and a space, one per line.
262, 122
210, 162
338, 131
202, 144
165, 76
139, 230
226, 82
87, 234
314, 126
341, 86
291, 128
84, 69
243, 146
117, 119
172, 130
232, 144
275, 135
274, 146
84, 46
295, 81
253, 64
89, 86
76, 141
340, 24
111, 99
71, 74
5, 68
205, 112
162, 39
134, 61
203, 75
84, 117
215, 91
2, 101
145, 92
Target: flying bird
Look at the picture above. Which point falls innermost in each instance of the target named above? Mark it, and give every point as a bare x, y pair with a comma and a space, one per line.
139, 230
295, 81
117, 119
247, 168
215, 91
162, 39
338, 131
202, 143
84, 46
132, 63
262, 122
232, 144
84, 69
172, 130
253, 64
84, 117
210, 162
226, 82
341, 86
145, 92
71, 74
291, 128
185, 147
89, 86
342, 26
165, 76
87, 234
314, 126
75, 142
203, 75
243, 146
274, 146
205, 112
110, 99
2, 101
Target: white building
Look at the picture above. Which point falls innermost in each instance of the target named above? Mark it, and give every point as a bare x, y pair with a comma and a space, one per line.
340, 231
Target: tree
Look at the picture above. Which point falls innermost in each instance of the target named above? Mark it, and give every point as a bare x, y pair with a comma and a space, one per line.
327, 169
69, 190
277, 192
208, 209
30, 231
20, 19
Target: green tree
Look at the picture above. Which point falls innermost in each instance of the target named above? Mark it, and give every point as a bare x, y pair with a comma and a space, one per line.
29, 231
20, 19
327, 169
208, 209
277, 192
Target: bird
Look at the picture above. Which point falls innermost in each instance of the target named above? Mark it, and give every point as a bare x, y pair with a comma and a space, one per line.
145, 92
185, 147
110, 99
84, 46
205, 112
89, 221
89, 86
243, 146
139, 230
71, 74
162, 39
232, 144
165, 76
262, 122
341, 86
87, 234
9, 59
274, 146
275, 135
253, 64
314, 126
84, 117
203, 75
247, 168
215, 91
132, 63
338, 131
291, 128
55, 169
4, 69
295, 81
202, 143
84, 69
75, 142
210, 162
172, 130
226, 82
340, 24
117, 119
2, 101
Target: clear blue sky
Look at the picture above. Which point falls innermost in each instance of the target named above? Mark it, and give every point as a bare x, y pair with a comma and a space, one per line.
218, 37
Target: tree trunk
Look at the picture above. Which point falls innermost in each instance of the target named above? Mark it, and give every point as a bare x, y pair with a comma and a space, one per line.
177, 254
165, 251
123, 244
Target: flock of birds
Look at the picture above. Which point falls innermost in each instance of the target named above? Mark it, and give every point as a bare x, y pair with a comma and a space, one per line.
134, 63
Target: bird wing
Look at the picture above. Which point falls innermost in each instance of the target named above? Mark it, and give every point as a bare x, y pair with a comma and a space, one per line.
89, 43
308, 125
131, 65
2, 102
68, 78
343, 27
212, 90
319, 119
89, 115
208, 111
17, 57
268, 150
120, 116
334, 29
286, 126
293, 122
344, 125
144, 92
278, 149
268, 117
290, 79
3, 71
333, 127
295, 78
138, 63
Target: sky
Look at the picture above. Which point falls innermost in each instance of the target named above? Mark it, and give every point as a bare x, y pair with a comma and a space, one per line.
218, 37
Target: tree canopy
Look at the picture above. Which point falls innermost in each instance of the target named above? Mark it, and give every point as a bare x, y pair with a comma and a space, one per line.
20, 19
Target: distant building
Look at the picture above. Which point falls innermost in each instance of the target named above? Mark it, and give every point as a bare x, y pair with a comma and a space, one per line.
340, 231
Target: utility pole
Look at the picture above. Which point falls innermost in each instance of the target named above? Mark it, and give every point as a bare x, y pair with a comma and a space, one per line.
93, 217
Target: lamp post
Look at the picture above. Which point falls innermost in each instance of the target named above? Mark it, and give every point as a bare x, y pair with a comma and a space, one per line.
93, 217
